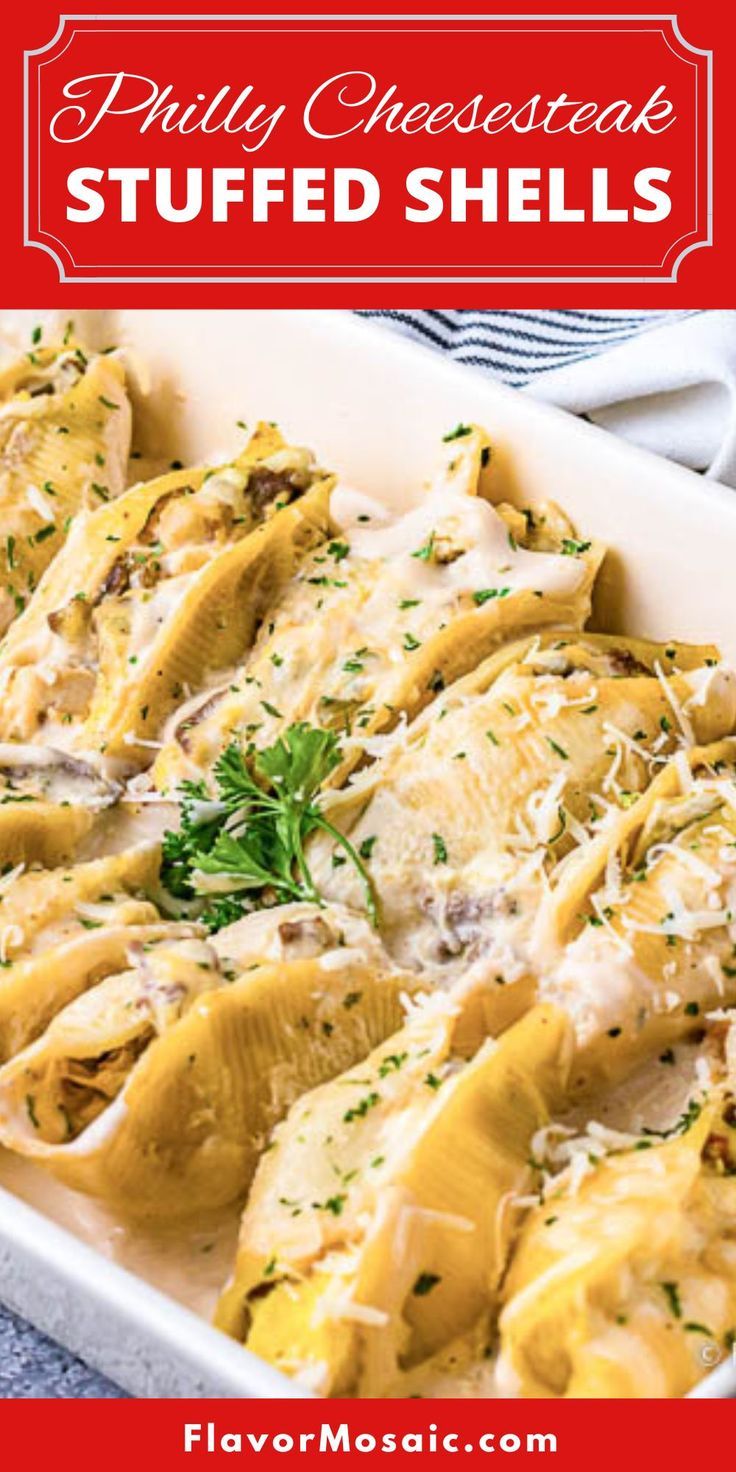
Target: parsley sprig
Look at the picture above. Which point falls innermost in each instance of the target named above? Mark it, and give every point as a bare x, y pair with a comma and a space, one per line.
249, 839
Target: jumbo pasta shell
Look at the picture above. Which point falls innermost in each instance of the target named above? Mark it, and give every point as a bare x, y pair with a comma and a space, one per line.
193, 1110
641, 923
64, 441
468, 819
614, 1288
375, 1230
135, 589
381, 618
63, 929
214, 622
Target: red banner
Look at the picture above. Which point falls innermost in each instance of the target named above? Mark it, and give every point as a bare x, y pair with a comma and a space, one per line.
379, 158
554, 150
564, 1435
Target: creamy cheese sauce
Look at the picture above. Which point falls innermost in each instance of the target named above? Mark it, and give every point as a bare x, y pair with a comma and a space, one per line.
463, 870
338, 646
150, 611
664, 942
488, 557
189, 1262
123, 604
30, 773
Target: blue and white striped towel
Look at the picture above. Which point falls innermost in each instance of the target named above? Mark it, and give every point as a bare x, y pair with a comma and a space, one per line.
666, 380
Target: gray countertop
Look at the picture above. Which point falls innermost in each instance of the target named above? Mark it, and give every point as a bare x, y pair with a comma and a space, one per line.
32, 1366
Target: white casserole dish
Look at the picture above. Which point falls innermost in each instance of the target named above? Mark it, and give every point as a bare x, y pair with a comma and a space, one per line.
373, 407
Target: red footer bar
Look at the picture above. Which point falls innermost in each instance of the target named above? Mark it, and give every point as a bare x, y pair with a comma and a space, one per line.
271, 1434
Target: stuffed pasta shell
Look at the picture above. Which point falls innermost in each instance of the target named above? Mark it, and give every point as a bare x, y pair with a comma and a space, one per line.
175, 1106
152, 595
64, 439
61, 930
376, 1227
644, 922
623, 1282
468, 822
388, 611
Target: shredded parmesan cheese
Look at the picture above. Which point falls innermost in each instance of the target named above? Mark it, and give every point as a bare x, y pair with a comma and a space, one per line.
39, 503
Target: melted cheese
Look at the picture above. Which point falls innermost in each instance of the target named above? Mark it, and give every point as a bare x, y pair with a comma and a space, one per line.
461, 867
362, 614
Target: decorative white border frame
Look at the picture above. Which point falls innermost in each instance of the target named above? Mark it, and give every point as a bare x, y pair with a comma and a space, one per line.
316, 276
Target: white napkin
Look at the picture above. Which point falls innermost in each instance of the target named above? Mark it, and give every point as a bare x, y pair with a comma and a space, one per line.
671, 389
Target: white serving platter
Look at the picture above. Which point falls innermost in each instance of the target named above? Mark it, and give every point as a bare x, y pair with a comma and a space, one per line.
373, 406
